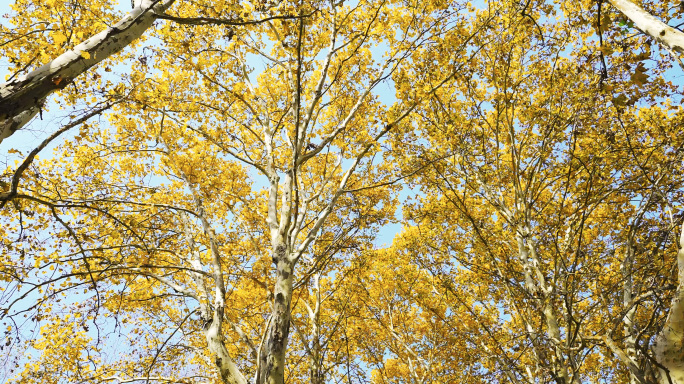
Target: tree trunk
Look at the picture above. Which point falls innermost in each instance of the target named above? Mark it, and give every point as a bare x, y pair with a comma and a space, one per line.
316, 371
272, 352
669, 345
671, 38
22, 98
230, 373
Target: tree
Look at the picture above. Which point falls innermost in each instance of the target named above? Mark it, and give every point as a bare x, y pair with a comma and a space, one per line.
671, 38
23, 96
551, 189
24, 93
217, 207
214, 218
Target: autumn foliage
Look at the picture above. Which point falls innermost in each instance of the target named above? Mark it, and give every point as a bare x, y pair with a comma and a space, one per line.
341, 192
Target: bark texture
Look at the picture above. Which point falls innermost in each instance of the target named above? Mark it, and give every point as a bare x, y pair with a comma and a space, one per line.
22, 98
272, 353
671, 38
230, 373
669, 346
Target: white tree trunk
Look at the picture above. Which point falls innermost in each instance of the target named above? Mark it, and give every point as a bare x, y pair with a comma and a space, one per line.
272, 352
22, 98
671, 38
669, 345
230, 373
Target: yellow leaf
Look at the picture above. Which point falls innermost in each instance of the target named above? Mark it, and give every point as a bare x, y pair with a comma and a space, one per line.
85, 55
59, 38
607, 50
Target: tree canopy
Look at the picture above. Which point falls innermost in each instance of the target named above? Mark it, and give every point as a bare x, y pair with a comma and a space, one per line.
215, 187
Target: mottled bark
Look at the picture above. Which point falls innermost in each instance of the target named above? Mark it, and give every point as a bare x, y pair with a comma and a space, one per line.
315, 371
669, 345
213, 332
272, 352
671, 38
22, 98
